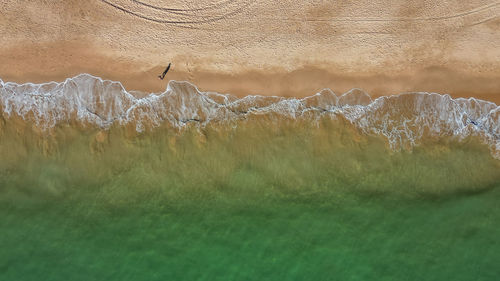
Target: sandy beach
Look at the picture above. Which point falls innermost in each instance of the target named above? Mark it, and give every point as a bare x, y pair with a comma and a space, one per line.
259, 47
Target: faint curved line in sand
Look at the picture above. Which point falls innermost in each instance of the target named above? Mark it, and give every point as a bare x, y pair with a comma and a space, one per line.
459, 15
354, 19
484, 21
184, 12
177, 22
209, 7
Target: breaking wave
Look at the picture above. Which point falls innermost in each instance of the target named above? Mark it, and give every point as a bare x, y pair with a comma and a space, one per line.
404, 120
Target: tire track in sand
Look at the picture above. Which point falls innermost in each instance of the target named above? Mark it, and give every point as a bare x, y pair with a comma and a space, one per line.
181, 17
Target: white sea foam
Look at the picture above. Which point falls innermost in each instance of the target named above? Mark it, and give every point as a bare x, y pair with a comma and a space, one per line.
405, 119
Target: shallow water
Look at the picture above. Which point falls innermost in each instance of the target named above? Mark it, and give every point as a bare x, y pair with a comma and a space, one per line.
96, 183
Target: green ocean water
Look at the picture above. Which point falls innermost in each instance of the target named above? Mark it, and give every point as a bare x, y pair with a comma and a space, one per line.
96, 184
344, 239
296, 202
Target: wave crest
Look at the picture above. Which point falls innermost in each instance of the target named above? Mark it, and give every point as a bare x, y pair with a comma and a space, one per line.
405, 120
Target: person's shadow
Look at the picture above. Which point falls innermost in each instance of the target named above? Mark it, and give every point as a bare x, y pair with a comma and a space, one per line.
164, 72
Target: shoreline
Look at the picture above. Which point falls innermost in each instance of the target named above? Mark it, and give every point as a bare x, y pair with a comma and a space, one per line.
138, 94
42, 63
299, 83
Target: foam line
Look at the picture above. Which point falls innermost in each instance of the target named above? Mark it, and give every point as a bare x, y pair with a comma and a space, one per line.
404, 119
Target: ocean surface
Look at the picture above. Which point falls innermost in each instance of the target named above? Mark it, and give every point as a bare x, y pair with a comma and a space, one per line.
100, 183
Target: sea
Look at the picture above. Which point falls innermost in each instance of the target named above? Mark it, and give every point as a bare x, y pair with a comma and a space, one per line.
101, 183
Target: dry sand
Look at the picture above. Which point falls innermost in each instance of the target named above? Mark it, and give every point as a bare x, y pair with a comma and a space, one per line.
259, 47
